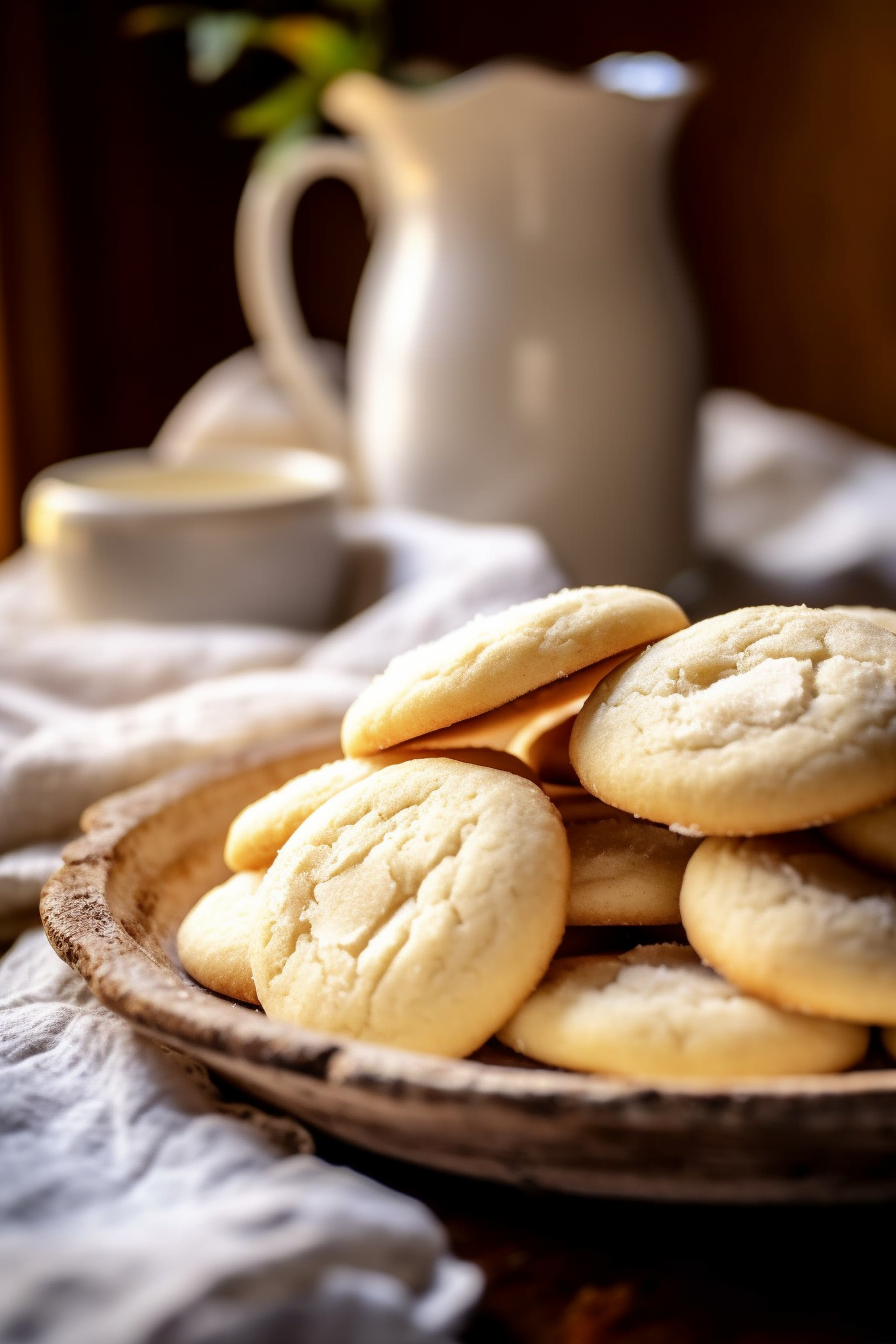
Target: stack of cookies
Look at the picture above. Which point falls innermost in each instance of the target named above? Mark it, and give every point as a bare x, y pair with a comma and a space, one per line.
584, 771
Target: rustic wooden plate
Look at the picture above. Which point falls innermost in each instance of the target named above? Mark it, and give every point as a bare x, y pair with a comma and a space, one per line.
148, 854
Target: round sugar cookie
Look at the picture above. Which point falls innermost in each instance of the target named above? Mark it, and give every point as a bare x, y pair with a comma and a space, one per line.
258, 833
493, 660
656, 1012
789, 919
763, 720
417, 908
881, 616
869, 837
625, 871
213, 939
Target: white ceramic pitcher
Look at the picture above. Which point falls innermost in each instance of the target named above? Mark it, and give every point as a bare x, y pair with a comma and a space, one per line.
523, 346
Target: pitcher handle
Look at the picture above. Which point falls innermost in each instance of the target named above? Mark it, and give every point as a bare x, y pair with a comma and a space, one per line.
265, 279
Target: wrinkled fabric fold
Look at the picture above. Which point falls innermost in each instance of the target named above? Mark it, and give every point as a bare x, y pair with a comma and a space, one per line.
89, 709
135, 1207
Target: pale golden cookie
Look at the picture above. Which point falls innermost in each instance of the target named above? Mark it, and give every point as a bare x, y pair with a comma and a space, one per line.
625, 871
499, 727
213, 939
869, 837
656, 1012
261, 829
766, 719
789, 919
417, 908
258, 833
543, 743
493, 660
881, 616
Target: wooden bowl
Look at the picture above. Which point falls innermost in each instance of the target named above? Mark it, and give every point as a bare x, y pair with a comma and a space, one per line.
149, 853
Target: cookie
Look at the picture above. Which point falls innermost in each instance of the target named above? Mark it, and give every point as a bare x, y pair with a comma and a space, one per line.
498, 728
881, 616
543, 743
869, 837
261, 829
763, 720
625, 871
418, 908
494, 660
213, 939
789, 919
656, 1012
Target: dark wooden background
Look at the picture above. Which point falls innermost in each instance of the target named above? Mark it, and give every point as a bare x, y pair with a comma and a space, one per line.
118, 193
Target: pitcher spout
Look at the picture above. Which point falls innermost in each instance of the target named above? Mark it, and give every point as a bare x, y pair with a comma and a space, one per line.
649, 76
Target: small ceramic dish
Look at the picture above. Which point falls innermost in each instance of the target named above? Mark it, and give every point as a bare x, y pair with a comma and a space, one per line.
113, 911
243, 535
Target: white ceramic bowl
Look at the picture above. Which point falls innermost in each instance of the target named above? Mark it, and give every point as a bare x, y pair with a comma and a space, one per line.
244, 535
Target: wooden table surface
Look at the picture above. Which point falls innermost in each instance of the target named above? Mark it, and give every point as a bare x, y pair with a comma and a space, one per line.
568, 1270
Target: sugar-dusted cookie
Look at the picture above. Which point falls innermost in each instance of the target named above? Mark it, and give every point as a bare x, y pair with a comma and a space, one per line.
625, 871
417, 908
493, 660
789, 919
656, 1012
213, 940
869, 837
881, 616
261, 829
766, 719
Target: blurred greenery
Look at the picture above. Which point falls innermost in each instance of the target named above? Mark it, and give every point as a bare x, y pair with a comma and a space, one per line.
316, 46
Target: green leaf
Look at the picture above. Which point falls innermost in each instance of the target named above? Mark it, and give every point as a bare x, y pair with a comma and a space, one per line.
320, 47
215, 42
157, 19
293, 101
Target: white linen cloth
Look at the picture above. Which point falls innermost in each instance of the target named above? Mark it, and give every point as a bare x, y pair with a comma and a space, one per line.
133, 1207
789, 497
87, 709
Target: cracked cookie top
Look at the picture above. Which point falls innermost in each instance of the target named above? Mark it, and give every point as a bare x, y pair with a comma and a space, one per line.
762, 720
417, 908
493, 660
